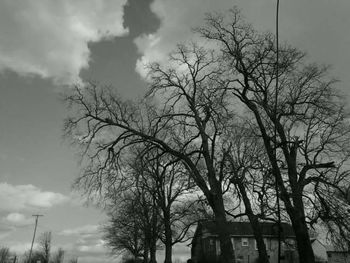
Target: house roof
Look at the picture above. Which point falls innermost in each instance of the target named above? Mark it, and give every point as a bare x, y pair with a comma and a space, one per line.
245, 229
338, 252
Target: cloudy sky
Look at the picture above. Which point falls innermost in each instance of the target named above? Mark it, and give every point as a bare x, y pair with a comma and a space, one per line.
47, 45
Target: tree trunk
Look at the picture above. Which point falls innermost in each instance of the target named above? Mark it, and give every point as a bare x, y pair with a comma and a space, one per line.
227, 253
254, 222
145, 256
263, 257
168, 237
305, 250
153, 257
168, 252
154, 238
145, 251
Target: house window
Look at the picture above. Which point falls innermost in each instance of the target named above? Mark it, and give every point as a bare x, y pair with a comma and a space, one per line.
283, 245
267, 243
218, 248
211, 249
289, 244
245, 242
233, 243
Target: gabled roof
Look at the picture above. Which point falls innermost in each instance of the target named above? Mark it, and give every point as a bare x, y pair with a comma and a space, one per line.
245, 229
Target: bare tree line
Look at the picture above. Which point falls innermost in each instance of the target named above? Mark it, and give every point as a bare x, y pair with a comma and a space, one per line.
42, 254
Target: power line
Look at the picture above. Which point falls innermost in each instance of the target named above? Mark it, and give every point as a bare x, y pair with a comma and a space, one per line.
36, 224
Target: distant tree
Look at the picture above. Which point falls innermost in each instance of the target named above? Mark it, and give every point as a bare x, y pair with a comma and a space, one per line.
43, 252
36, 256
133, 225
73, 260
58, 256
163, 183
124, 232
4, 254
168, 182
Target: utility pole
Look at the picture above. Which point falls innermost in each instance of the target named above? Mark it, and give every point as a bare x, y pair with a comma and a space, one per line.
275, 136
36, 224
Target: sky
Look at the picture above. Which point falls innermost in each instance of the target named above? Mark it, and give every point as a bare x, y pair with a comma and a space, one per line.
48, 45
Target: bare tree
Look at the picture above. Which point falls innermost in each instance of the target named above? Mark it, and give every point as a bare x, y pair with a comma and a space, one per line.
133, 222
199, 92
167, 180
188, 127
247, 166
45, 246
124, 230
36, 256
43, 253
334, 210
124, 233
312, 143
4, 254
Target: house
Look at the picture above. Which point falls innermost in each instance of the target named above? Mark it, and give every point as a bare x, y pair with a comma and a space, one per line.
338, 256
329, 253
320, 251
206, 245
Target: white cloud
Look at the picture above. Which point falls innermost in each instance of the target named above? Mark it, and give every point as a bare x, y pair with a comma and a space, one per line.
22, 197
177, 18
181, 252
87, 244
92, 250
81, 230
97, 259
50, 38
97, 247
18, 219
20, 248
302, 23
